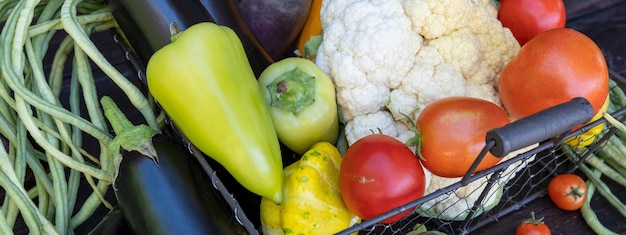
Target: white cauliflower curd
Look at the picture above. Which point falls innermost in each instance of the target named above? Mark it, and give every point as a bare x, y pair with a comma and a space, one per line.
390, 58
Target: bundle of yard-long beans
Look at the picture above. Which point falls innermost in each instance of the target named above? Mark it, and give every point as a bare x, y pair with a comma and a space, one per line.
604, 160
44, 137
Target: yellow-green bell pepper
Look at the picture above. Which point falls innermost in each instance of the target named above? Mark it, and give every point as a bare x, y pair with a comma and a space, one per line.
204, 82
313, 203
302, 103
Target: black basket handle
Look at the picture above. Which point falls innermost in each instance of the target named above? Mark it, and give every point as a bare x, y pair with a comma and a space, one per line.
539, 127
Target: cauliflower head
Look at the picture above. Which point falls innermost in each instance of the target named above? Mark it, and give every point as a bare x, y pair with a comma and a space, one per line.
456, 204
390, 58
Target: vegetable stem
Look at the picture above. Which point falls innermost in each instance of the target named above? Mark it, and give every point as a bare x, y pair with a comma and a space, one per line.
128, 137
292, 91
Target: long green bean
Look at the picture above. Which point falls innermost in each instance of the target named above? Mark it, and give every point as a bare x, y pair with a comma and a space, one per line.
8, 177
31, 110
12, 79
84, 77
9, 181
136, 97
41, 42
5, 227
590, 217
610, 154
608, 171
55, 24
19, 166
604, 190
55, 77
76, 140
60, 182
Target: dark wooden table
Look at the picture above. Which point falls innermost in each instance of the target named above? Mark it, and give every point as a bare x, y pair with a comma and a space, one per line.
602, 20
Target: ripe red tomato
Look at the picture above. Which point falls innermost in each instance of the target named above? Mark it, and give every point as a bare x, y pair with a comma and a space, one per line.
532, 226
528, 18
379, 173
567, 191
553, 68
453, 133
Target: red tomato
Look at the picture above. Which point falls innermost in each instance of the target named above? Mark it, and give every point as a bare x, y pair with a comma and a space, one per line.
553, 68
453, 133
567, 191
528, 18
379, 173
532, 227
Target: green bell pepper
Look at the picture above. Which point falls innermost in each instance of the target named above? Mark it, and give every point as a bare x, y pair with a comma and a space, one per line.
204, 82
302, 103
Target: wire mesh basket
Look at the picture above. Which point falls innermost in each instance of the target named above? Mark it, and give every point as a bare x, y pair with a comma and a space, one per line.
456, 205
494, 193
474, 201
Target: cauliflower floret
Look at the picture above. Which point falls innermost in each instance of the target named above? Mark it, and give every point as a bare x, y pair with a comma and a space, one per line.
461, 48
491, 7
404, 134
434, 18
424, 84
397, 56
378, 122
361, 51
362, 99
402, 104
454, 206
485, 92
499, 45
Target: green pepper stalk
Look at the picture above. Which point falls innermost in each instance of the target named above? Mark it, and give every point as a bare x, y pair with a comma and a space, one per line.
302, 103
204, 82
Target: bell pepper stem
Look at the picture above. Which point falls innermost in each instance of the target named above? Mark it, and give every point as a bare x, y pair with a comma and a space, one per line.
292, 91
175, 31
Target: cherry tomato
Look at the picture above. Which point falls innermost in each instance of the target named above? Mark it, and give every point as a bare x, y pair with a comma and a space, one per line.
553, 68
453, 133
379, 173
532, 226
528, 18
567, 191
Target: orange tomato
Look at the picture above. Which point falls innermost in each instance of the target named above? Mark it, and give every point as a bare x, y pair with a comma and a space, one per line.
554, 67
532, 226
528, 18
453, 132
567, 191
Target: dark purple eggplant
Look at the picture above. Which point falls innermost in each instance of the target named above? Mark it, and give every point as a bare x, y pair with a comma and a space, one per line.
276, 23
111, 224
172, 197
146, 25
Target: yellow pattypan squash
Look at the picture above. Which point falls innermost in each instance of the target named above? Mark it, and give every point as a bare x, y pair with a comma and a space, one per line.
312, 200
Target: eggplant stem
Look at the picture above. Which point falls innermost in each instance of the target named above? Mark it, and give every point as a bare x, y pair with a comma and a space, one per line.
127, 136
